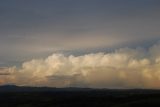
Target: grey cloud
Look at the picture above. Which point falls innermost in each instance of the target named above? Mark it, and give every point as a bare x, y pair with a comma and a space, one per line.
5, 71
34, 29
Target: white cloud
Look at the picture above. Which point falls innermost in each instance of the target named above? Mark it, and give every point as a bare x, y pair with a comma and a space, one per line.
124, 68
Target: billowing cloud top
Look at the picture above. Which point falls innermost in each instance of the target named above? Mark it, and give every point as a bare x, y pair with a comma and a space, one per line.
123, 68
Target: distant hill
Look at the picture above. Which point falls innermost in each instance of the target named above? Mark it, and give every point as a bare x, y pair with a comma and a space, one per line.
14, 88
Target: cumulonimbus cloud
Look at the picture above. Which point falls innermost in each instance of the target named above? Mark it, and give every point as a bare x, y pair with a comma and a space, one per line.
123, 68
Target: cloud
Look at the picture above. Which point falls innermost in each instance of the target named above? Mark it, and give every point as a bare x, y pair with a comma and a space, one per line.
4, 71
123, 68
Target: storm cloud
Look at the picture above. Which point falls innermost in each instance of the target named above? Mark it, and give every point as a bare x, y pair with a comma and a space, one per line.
80, 43
123, 68
38, 28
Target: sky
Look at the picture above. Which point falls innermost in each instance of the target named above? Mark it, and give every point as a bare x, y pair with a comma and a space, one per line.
80, 43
